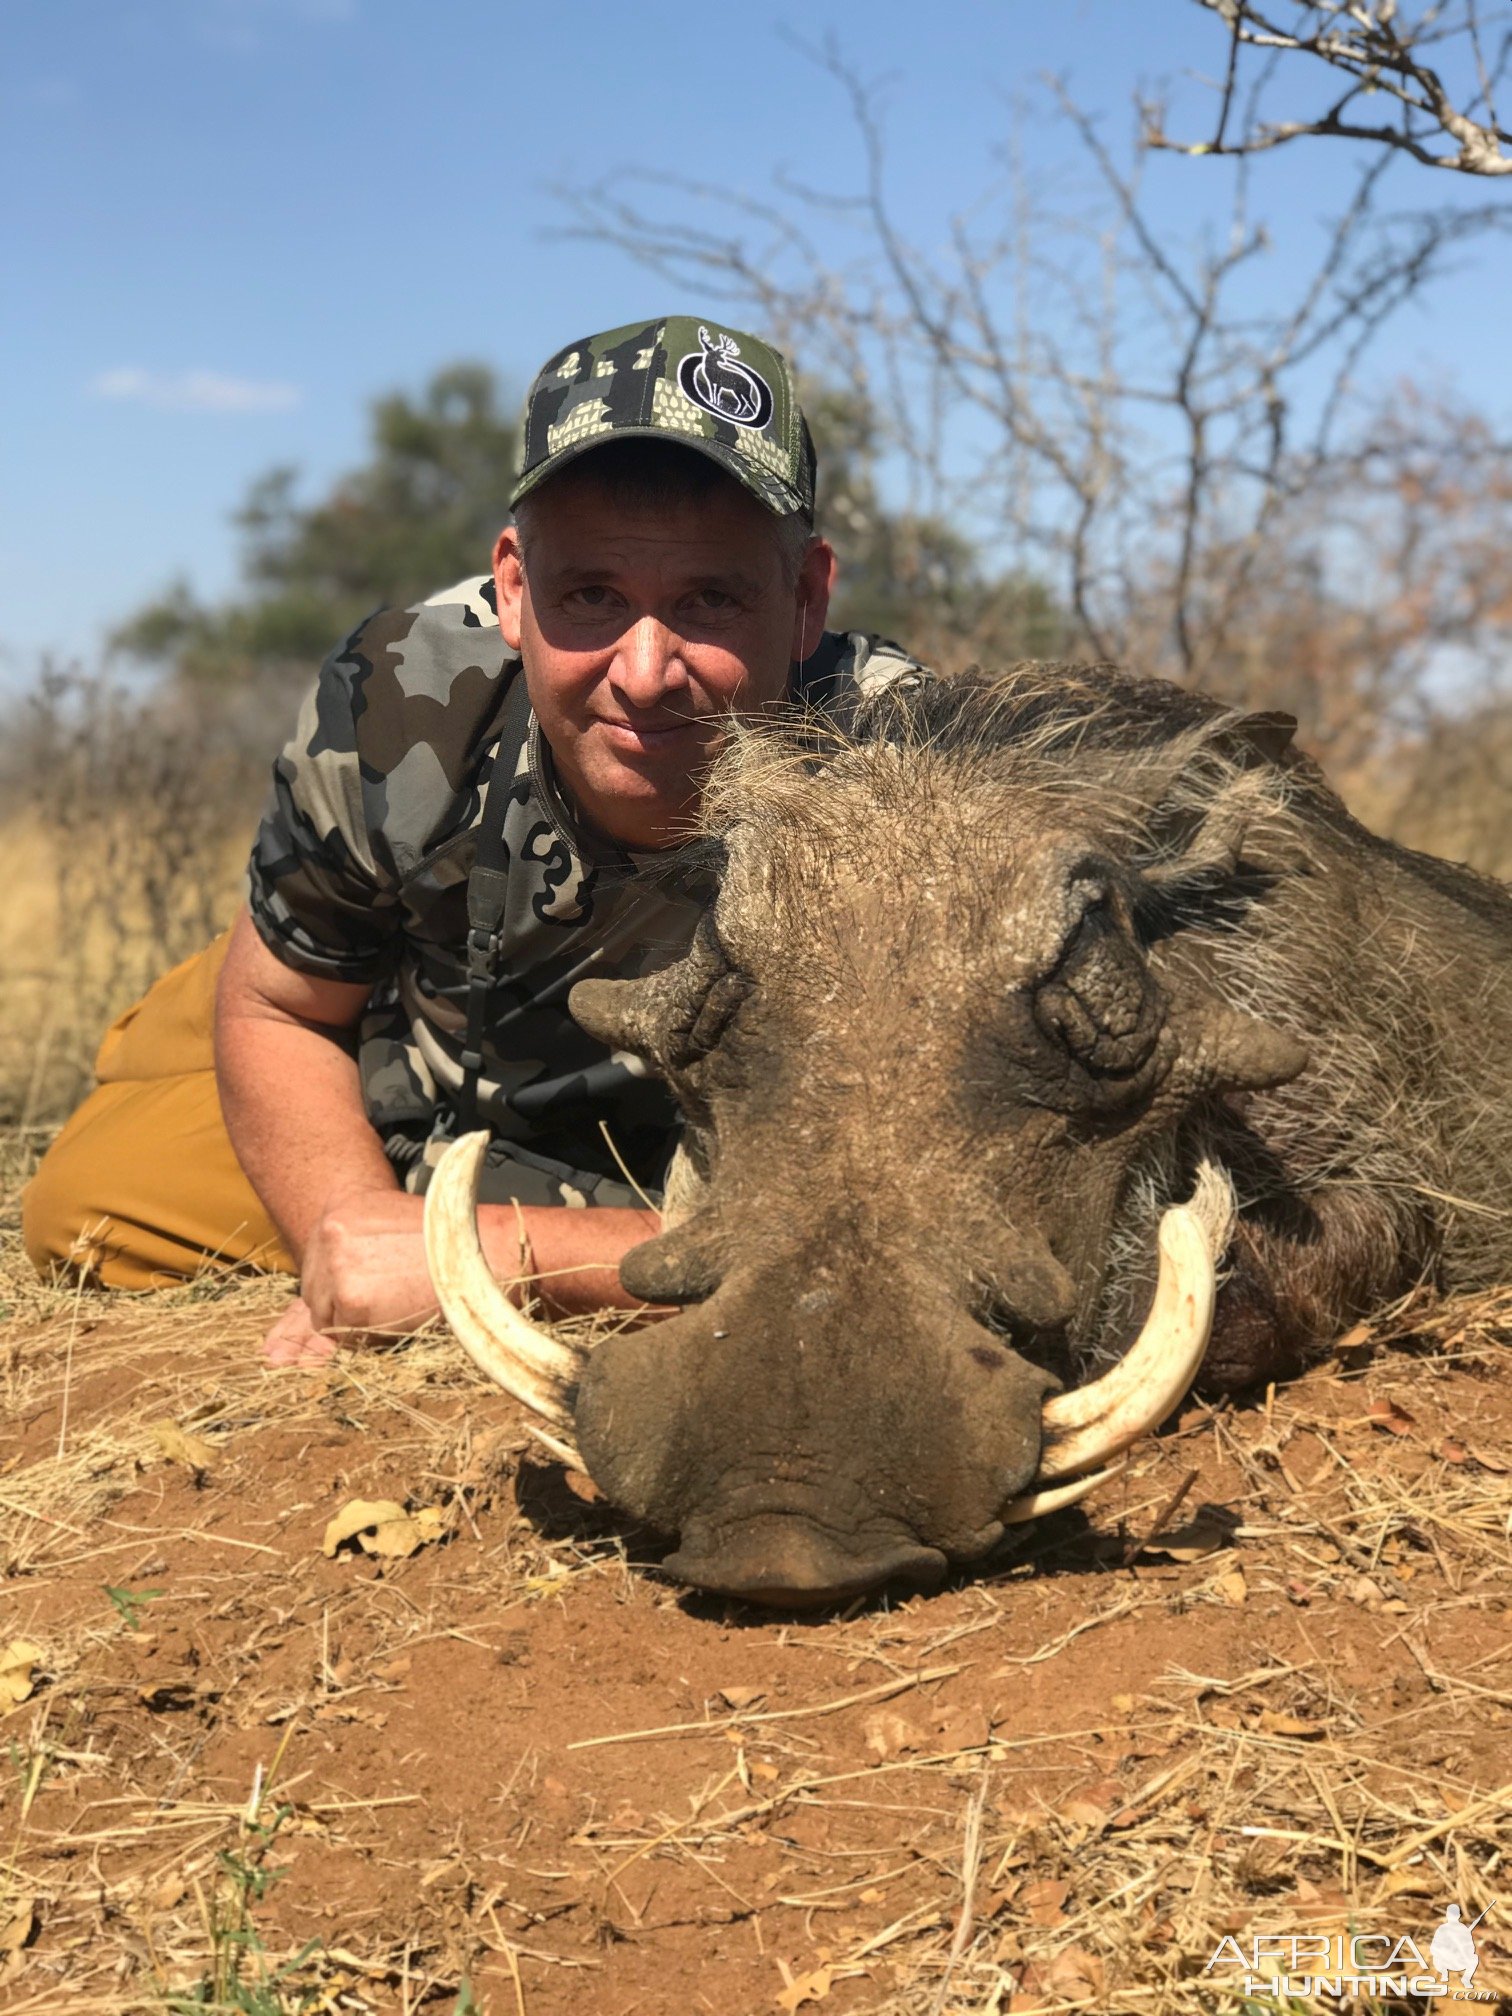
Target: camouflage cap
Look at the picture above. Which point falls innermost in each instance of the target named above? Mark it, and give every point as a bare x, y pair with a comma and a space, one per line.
728, 395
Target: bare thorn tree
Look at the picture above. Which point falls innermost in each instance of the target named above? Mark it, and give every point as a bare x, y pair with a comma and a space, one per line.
1431, 74
1141, 423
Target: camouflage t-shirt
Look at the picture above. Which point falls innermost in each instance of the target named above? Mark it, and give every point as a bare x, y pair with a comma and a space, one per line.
359, 873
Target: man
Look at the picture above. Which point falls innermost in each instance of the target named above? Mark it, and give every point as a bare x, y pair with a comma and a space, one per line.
488, 796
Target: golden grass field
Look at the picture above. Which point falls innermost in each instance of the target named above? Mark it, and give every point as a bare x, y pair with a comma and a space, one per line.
483, 1760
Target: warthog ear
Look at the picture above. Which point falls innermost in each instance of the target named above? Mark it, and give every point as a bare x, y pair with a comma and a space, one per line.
1208, 850
1252, 739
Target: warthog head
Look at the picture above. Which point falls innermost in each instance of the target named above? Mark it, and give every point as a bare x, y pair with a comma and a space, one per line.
941, 1025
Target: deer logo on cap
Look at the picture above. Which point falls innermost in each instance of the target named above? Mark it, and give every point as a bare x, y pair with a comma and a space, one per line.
714, 378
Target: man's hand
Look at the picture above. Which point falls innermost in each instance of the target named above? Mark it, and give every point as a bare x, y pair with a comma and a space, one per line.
364, 1275
364, 1271
294, 1340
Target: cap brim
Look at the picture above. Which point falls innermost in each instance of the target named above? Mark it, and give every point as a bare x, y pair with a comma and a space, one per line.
768, 489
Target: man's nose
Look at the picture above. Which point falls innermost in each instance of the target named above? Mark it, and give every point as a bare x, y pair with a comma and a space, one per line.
649, 664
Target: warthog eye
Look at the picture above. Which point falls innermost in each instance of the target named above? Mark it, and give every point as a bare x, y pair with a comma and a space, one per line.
697, 1038
1100, 1002
709, 1013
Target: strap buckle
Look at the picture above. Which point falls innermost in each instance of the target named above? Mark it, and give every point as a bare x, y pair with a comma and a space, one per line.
483, 947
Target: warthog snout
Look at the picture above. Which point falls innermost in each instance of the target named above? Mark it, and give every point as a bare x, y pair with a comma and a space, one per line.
793, 1463
757, 1430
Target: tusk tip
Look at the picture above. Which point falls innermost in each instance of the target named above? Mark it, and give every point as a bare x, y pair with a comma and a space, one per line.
1037, 1504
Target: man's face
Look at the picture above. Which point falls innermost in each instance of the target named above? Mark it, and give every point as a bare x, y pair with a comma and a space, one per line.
641, 629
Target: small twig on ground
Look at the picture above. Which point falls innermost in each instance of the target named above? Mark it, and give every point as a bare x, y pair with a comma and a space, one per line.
971, 1863
884, 1692
1167, 1512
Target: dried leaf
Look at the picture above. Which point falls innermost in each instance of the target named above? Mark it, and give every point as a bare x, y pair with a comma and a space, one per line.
1043, 1901
1388, 1415
1452, 1451
741, 1697
1275, 1724
1202, 1534
178, 1446
889, 1734
1232, 1587
17, 1930
1354, 1340
16, 1663
1076, 1974
813, 1987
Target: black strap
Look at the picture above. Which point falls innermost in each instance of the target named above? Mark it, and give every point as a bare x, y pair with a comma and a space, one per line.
487, 893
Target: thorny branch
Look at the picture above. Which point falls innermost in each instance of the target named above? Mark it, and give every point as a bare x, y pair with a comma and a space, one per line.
1152, 427
1381, 54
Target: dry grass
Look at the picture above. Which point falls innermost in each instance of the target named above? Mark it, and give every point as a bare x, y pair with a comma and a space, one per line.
514, 1766
125, 821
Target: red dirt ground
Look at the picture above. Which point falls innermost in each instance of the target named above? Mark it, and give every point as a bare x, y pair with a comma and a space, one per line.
518, 1767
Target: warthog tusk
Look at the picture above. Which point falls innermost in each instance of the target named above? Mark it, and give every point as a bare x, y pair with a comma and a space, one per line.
562, 1451
1035, 1504
527, 1362
1092, 1423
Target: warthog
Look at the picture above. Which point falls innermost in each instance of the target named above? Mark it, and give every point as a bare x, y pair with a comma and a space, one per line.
1038, 977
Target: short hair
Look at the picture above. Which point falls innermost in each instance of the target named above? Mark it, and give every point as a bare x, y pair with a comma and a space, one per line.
655, 475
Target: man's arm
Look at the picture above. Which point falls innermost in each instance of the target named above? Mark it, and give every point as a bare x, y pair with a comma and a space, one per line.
292, 1099
289, 1087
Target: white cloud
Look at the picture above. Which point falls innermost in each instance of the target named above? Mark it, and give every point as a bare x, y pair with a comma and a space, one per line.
194, 391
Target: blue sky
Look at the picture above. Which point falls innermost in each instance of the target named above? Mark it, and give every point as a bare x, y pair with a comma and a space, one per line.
232, 222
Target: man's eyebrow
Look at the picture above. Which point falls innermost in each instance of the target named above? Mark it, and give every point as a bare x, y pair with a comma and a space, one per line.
724, 577
731, 577
569, 577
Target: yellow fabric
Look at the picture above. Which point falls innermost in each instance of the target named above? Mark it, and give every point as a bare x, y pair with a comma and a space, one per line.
142, 1187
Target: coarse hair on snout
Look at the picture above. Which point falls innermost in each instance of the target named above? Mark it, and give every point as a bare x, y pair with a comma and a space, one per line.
649, 476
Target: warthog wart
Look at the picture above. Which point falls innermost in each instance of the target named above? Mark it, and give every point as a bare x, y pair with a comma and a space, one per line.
1053, 1033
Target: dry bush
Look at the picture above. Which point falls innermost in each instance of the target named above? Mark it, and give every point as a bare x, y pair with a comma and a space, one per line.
127, 818
1449, 791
